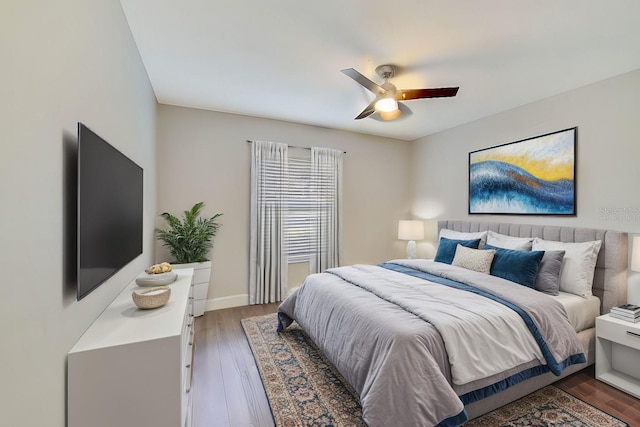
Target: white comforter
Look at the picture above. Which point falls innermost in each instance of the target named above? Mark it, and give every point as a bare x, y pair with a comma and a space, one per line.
398, 363
482, 337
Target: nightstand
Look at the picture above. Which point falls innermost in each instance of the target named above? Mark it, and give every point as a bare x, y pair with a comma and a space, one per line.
618, 353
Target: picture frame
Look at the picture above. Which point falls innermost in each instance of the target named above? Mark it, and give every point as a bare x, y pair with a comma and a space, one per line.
533, 176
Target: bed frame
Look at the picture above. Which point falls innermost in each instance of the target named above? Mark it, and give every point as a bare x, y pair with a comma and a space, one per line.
609, 284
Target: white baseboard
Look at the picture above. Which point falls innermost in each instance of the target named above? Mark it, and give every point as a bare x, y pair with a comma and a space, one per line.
227, 302
232, 301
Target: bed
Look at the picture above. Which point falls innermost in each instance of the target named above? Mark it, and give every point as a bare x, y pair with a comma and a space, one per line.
389, 329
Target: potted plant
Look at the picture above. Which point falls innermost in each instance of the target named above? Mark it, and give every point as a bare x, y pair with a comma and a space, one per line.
189, 241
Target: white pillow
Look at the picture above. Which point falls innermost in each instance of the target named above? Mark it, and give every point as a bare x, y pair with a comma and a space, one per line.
509, 242
459, 235
474, 259
578, 264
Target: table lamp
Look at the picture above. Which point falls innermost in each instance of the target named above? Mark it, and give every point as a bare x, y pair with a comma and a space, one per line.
635, 254
633, 292
411, 230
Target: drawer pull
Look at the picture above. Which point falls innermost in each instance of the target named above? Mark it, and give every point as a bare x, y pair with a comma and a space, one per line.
188, 365
633, 333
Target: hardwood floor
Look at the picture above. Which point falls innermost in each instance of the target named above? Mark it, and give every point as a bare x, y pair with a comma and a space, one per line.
226, 386
227, 390
584, 386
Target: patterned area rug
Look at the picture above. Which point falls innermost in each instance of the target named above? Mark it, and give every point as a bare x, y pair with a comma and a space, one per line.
305, 389
549, 406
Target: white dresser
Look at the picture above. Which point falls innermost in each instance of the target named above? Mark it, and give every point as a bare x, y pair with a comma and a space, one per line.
132, 367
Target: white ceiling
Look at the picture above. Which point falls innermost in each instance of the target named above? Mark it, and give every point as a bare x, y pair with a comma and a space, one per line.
281, 59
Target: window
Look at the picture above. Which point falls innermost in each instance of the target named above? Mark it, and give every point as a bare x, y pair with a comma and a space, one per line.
296, 216
311, 200
291, 193
299, 201
299, 211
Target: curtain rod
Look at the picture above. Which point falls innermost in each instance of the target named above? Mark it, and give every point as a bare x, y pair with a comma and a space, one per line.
293, 146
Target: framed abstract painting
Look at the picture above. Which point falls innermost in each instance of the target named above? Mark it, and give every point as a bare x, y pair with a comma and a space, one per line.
534, 176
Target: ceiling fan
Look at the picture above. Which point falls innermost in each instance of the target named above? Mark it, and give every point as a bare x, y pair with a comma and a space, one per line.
387, 95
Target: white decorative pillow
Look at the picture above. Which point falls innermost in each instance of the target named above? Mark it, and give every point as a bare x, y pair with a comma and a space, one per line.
474, 259
459, 235
578, 264
509, 242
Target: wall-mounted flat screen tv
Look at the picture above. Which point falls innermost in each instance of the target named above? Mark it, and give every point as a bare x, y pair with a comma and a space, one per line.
110, 206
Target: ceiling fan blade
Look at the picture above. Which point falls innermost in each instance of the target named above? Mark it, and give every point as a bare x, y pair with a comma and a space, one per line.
368, 111
443, 92
376, 89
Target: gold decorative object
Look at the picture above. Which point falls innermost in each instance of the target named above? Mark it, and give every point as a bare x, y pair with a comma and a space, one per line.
164, 267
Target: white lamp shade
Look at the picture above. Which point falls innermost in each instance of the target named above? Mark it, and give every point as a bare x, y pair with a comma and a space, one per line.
635, 254
410, 230
386, 104
392, 115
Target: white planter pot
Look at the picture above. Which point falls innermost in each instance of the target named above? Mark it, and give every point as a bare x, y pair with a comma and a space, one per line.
201, 275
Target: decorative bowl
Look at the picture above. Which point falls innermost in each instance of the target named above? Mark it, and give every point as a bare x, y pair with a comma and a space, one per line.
151, 297
160, 279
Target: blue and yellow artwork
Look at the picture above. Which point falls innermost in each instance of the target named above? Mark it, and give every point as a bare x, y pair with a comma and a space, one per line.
535, 176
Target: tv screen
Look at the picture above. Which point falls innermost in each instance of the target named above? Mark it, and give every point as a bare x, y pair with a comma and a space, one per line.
110, 206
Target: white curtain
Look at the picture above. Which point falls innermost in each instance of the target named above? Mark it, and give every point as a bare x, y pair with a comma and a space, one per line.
267, 260
326, 185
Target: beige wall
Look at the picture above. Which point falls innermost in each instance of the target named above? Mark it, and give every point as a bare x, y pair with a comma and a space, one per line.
62, 62
608, 158
75, 60
204, 155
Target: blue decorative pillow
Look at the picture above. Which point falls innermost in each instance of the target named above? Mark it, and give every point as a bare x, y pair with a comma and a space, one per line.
518, 266
447, 248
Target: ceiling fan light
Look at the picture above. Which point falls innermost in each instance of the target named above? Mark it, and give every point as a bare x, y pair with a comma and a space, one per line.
392, 115
386, 105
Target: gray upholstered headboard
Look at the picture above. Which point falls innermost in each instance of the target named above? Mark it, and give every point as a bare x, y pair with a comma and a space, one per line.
610, 278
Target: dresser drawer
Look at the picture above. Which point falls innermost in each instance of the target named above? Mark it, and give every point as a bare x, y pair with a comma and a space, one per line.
618, 331
200, 290
187, 331
188, 409
187, 377
201, 276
